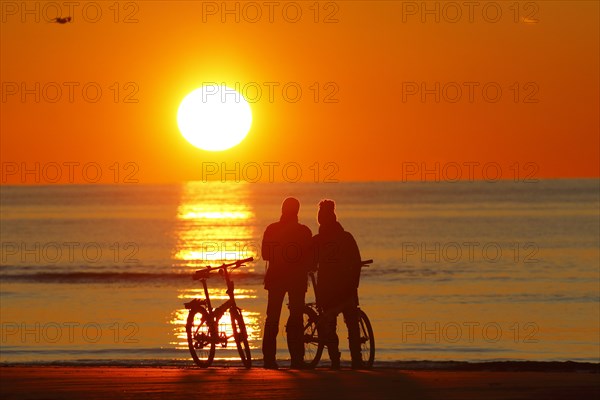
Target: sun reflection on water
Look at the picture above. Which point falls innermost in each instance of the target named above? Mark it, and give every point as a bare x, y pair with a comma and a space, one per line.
215, 224
218, 294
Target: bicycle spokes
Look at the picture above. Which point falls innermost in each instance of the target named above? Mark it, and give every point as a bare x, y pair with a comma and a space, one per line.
200, 336
241, 337
313, 348
367, 342
201, 340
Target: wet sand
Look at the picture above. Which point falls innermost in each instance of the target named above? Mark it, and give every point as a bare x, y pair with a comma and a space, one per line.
87, 382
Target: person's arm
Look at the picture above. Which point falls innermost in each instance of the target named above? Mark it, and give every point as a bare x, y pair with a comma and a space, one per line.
354, 260
308, 251
266, 248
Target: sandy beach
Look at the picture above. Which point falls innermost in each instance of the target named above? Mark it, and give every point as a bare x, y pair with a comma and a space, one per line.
70, 382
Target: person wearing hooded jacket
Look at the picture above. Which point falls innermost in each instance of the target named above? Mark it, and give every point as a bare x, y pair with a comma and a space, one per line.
287, 247
338, 274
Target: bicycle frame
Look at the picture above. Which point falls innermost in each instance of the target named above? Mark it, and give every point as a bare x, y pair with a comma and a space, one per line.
217, 313
210, 335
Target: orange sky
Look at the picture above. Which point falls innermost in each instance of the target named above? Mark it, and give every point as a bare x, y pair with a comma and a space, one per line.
371, 53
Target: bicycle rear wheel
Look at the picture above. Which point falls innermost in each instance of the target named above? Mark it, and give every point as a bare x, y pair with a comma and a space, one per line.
241, 336
367, 340
201, 337
313, 349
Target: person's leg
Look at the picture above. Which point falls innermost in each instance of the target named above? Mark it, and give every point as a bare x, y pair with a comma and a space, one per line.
269, 347
351, 318
295, 328
327, 332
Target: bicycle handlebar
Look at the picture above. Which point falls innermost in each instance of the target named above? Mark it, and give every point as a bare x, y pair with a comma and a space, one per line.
236, 264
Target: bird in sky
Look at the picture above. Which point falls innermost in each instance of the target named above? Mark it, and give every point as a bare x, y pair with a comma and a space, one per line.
60, 20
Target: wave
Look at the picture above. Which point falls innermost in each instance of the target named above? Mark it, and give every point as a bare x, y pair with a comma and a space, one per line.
112, 277
110, 274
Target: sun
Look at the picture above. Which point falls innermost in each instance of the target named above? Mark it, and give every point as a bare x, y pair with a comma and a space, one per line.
214, 117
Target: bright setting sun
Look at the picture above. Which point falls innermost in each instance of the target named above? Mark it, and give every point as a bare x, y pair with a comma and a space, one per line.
214, 117
315, 199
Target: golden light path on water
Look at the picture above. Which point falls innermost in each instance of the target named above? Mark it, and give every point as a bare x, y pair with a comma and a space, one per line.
215, 225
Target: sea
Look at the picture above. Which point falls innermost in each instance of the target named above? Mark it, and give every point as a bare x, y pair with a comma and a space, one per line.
463, 271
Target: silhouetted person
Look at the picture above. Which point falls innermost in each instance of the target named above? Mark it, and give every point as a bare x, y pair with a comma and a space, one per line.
338, 276
287, 248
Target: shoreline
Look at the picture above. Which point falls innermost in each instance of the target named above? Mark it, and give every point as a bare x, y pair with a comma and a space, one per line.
413, 365
94, 382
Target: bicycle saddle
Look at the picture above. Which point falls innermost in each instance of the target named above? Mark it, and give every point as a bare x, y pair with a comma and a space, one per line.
201, 274
194, 303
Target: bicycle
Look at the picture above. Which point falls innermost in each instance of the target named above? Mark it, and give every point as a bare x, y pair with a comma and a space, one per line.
203, 321
313, 347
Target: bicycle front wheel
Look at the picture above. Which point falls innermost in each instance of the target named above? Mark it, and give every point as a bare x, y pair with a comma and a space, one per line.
241, 336
313, 349
201, 337
367, 340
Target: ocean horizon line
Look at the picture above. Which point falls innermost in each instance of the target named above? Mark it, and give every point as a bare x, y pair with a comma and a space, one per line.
308, 182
